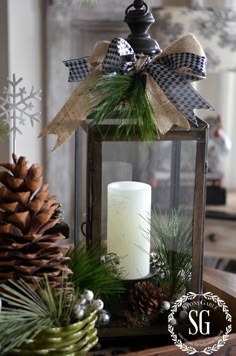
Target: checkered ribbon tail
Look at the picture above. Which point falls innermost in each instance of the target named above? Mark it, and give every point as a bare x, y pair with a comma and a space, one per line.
78, 69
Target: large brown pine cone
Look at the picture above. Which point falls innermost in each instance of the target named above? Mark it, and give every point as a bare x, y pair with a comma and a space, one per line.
26, 211
145, 297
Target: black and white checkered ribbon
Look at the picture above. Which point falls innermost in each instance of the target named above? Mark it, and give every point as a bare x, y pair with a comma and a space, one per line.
120, 58
78, 69
178, 90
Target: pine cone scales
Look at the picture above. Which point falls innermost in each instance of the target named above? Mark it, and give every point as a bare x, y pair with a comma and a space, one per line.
26, 211
145, 297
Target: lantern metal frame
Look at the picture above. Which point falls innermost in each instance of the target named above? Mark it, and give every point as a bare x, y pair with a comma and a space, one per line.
96, 135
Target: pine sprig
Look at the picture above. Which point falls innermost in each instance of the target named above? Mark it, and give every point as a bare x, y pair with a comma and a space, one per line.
26, 311
172, 240
123, 98
90, 273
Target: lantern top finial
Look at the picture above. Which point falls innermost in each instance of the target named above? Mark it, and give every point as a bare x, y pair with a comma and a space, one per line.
139, 20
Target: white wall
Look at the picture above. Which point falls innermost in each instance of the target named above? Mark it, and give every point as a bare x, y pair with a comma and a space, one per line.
25, 59
219, 90
4, 144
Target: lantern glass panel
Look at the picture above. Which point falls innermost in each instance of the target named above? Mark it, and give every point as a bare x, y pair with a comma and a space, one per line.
168, 167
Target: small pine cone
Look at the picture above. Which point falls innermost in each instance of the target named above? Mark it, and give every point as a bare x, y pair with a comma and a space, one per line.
145, 297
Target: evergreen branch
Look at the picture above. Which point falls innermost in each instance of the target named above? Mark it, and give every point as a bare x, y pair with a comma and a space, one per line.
26, 311
123, 98
15, 332
172, 241
20, 295
90, 273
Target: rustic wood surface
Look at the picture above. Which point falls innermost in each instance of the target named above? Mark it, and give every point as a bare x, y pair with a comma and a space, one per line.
224, 243
228, 350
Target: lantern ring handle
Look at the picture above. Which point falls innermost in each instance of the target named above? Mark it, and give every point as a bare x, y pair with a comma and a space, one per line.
83, 228
137, 5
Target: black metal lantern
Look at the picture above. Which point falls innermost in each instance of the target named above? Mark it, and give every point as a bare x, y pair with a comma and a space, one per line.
142, 203
172, 165
130, 181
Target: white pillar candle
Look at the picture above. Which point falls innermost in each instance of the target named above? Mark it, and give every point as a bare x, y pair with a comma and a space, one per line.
128, 226
112, 171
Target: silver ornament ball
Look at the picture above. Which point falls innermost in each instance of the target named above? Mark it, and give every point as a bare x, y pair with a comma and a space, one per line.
173, 322
79, 311
79, 314
183, 314
165, 305
98, 304
82, 301
88, 295
104, 317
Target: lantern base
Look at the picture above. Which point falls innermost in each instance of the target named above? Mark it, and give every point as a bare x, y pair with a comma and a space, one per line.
135, 339
130, 318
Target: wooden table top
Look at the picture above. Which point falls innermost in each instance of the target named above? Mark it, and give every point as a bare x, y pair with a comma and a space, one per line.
224, 281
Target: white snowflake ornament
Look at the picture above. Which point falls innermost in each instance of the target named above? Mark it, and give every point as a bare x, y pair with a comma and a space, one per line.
16, 106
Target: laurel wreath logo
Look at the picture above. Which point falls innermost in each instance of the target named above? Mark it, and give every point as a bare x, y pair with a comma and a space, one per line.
208, 296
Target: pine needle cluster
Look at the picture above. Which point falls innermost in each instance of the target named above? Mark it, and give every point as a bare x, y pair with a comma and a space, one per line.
28, 311
90, 273
123, 98
172, 243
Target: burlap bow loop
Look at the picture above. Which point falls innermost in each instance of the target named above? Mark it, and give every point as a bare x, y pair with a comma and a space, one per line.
168, 89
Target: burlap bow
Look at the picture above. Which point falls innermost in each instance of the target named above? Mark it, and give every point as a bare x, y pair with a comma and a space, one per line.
168, 87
